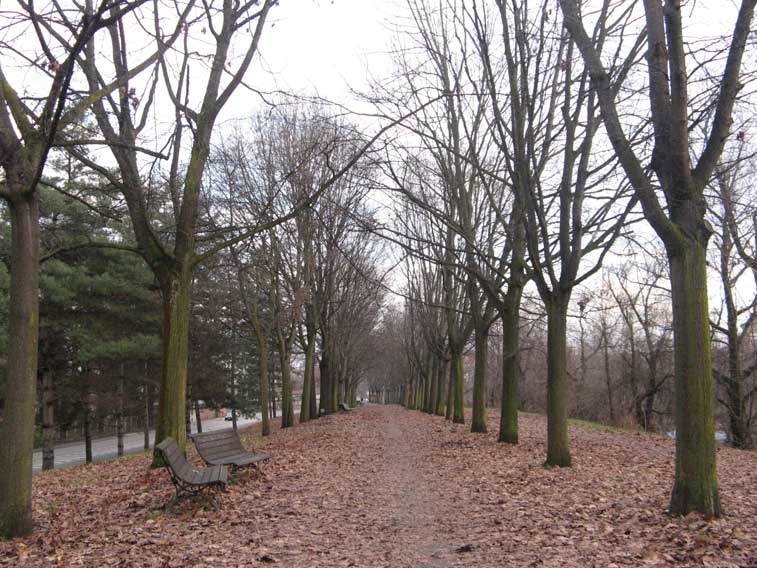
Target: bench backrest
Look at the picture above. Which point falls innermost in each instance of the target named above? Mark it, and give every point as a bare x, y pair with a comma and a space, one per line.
175, 459
218, 444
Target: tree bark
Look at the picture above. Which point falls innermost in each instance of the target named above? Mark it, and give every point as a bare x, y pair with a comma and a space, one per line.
264, 384
478, 422
17, 427
696, 481
459, 414
287, 407
508, 420
558, 446
146, 429
48, 420
177, 296
120, 414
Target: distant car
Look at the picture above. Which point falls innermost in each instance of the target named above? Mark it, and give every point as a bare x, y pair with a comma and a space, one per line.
229, 415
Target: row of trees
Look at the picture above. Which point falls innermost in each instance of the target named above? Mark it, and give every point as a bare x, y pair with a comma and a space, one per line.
249, 242
528, 165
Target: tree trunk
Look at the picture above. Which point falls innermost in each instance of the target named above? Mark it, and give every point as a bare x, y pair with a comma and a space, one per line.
305, 414
198, 417
696, 479
450, 391
444, 378
120, 414
459, 413
188, 417
87, 429
434, 388
48, 420
313, 396
558, 447
608, 378
20, 396
508, 420
264, 381
287, 407
478, 422
147, 416
177, 296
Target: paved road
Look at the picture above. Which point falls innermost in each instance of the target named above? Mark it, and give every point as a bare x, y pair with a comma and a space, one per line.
104, 449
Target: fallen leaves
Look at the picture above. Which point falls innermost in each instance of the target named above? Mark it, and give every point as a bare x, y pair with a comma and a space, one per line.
384, 486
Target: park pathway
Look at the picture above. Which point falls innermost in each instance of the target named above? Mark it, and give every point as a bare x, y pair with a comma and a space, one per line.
385, 487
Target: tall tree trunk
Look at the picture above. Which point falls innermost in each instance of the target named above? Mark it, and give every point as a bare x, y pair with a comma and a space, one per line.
17, 427
434, 385
305, 405
558, 446
450, 391
738, 413
87, 428
147, 415
48, 420
508, 420
120, 414
608, 378
478, 422
696, 478
457, 363
313, 396
177, 296
264, 381
287, 406
445, 373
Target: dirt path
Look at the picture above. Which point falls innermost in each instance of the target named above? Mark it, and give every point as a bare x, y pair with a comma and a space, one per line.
387, 487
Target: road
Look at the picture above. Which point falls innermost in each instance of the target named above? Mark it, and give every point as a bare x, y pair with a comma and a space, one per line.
104, 449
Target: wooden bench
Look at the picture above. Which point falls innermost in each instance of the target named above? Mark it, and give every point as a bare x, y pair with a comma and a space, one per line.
186, 479
223, 447
343, 407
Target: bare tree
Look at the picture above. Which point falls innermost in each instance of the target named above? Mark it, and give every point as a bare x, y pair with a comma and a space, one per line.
681, 225
29, 127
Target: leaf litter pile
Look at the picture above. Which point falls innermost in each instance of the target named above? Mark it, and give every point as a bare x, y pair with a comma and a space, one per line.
384, 486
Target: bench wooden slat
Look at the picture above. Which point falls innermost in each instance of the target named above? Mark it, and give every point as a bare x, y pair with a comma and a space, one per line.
224, 447
186, 478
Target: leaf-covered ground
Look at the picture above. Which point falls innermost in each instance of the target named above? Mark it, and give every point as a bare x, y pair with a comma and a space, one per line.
383, 486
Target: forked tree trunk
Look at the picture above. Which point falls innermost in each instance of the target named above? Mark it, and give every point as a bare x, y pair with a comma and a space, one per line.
48, 420
17, 427
508, 420
696, 479
558, 446
457, 363
478, 422
177, 296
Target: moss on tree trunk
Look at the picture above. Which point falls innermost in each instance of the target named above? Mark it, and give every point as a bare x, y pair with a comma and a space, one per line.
20, 394
177, 296
696, 478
